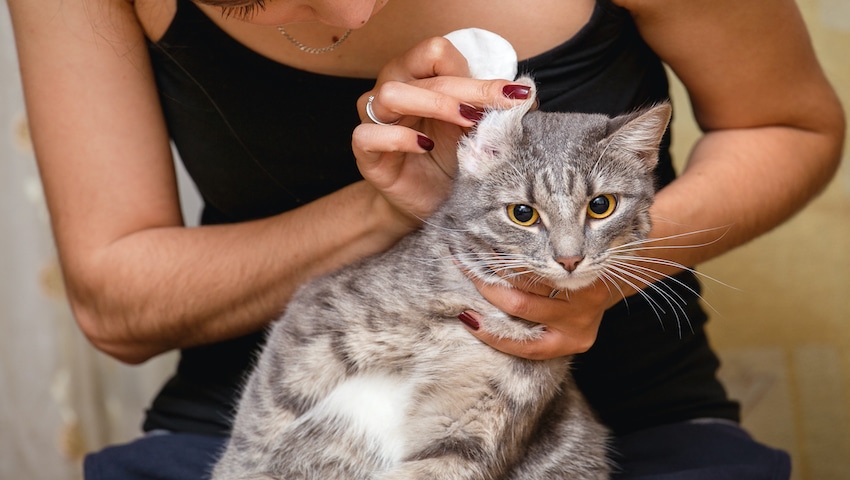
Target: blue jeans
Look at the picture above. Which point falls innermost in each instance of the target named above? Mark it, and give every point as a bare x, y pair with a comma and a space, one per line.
699, 450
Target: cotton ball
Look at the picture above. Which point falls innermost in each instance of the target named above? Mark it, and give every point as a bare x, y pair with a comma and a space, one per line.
489, 55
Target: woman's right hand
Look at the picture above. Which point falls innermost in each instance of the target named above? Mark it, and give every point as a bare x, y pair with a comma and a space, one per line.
429, 92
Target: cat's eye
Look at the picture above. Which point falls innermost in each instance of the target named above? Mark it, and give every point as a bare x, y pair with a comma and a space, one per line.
602, 206
523, 215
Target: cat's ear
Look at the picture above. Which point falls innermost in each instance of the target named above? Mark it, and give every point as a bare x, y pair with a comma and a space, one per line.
493, 139
639, 134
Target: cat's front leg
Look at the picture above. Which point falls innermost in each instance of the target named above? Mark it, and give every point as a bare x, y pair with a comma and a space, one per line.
568, 444
494, 321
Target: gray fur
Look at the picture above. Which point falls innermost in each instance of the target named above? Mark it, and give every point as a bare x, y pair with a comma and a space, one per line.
370, 375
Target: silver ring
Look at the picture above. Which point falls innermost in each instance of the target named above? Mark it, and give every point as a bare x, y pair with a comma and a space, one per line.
554, 293
371, 114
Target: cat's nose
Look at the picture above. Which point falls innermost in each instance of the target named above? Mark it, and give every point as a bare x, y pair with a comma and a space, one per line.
570, 263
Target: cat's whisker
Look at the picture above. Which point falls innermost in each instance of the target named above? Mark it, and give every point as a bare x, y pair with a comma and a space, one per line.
608, 282
661, 276
670, 263
647, 241
657, 309
490, 274
643, 284
668, 221
599, 159
672, 298
498, 262
499, 266
654, 276
470, 259
495, 263
487, 255
630, 259
519, 175
532, 281
426, 221
511, 273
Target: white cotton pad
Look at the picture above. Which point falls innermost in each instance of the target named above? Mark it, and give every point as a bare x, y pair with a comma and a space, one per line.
489, 55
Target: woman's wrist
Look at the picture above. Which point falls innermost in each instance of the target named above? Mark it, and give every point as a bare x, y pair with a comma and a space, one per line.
387, 222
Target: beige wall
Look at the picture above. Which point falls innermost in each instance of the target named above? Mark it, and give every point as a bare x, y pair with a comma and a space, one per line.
783, 332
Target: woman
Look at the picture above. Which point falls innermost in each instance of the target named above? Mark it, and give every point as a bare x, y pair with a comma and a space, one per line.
258, 97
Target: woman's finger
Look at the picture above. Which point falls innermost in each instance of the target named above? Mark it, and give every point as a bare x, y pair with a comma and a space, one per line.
398, 162
461, 101
571, 320
458, 100
538, 308
430, 58
394, 100
553, 343
373, 146
433, 57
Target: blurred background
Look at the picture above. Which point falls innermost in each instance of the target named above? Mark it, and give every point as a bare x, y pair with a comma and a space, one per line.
783, 331
781, 326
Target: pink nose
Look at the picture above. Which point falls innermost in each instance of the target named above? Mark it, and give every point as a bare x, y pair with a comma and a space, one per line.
570, 263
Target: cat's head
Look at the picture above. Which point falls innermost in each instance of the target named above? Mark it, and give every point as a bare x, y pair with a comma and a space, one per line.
550, 194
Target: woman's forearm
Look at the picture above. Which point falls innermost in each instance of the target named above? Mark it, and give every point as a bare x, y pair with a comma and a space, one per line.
739, 184
138, 281
164, 288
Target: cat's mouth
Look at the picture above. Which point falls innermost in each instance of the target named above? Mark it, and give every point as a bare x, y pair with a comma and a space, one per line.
529, 275
498, 266
580, 274
577, 282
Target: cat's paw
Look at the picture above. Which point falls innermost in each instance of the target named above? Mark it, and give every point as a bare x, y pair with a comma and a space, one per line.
494, 321
502, 325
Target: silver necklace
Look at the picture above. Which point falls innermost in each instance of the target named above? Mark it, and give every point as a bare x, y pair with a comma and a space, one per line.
315, 51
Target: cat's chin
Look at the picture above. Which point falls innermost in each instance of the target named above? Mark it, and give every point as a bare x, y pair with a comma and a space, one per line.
576, 282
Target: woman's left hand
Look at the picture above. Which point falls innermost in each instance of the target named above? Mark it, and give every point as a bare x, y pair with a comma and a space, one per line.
571, 319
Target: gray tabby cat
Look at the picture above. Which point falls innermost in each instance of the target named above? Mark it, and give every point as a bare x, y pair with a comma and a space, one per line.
370, 375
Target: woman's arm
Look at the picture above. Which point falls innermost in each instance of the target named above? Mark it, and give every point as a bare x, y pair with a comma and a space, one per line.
773, 125
138, 281
773, 138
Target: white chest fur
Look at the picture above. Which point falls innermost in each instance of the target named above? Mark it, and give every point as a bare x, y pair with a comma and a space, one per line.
375, 406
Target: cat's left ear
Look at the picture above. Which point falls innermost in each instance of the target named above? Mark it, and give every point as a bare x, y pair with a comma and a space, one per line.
493, 138
639, 134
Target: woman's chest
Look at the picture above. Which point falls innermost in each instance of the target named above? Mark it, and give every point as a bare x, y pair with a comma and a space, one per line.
532, 28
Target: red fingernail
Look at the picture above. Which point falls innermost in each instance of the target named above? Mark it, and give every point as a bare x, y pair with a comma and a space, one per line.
469, 321
425, 143
470, 113
516, 92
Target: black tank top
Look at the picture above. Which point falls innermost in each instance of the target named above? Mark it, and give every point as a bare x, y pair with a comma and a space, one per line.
257, 139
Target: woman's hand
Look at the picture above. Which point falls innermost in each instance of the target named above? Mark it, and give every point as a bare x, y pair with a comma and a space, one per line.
429, 93
571, 319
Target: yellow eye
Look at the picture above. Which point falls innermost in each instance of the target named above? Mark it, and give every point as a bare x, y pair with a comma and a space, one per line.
602, 206
523, 215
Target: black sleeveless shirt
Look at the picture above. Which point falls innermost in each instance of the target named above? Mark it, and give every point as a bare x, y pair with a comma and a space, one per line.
259, 138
